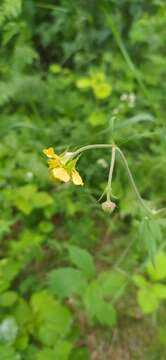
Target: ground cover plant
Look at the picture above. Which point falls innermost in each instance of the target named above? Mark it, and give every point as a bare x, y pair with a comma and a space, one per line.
77, 282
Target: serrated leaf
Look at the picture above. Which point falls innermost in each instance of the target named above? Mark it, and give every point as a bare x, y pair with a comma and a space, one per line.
83, 260
53, 320
65, 282
96, 307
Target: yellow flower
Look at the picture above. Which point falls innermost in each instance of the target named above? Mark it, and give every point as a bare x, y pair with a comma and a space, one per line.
62, 170
49, 152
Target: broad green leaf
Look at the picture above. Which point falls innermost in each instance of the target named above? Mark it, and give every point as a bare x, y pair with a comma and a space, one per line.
93, 297
112, 283
9, 269
45, 354
8, 353
147, 300
159, 290
22, 341
140, 281
61, 351
97, 308
53, 320
150, 234
158, 270
42, 199
106, 314
65, 282
83, 260
8, 298
22, 313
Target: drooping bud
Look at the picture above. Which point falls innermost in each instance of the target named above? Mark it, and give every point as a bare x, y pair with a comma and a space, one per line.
108, 206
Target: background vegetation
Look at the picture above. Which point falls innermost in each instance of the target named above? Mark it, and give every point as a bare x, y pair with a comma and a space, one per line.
76, 284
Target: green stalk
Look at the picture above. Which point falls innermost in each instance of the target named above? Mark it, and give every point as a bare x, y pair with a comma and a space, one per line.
151, 212
109, 185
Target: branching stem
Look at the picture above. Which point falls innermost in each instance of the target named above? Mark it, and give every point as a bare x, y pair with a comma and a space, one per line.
115, 148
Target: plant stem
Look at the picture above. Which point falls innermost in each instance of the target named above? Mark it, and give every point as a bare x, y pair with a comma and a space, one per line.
148, 210
151, 212
93, 146
109, 187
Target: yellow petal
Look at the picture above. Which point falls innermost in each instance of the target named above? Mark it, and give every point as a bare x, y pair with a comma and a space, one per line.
61, 174
76, 178
54, 163
49, 152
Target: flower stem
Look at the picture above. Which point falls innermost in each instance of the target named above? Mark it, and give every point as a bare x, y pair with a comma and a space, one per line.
93, 146
109, 187
141, 201
114, 148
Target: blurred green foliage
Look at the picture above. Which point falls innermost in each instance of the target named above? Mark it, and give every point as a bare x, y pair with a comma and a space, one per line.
74, 73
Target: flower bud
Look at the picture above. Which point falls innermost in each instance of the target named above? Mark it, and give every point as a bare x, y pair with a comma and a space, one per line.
108, 206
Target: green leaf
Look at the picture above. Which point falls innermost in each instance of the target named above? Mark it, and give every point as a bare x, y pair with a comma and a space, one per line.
96, 307
27, 197
80, 354
64, 282
158, 270
61, 351
53, 320
45, 354
106, 314
22, 313
9, 269
83, 260
8, 353
42, 199
150, 234
8, 298
92, 298
147, 300
140, 281
159, 290
112, 283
